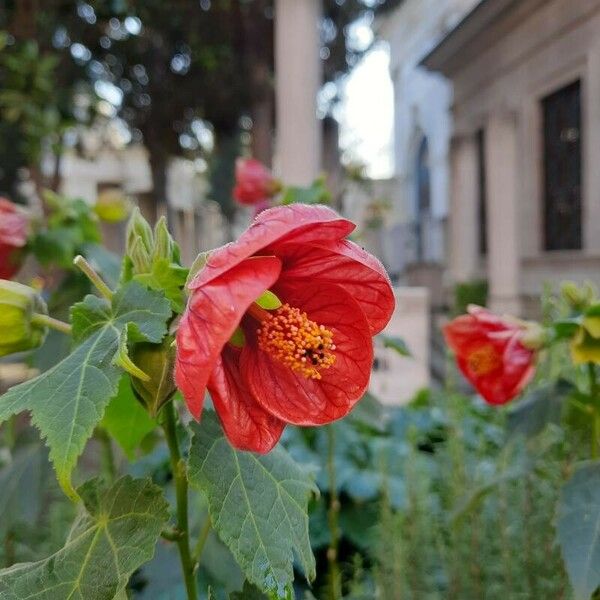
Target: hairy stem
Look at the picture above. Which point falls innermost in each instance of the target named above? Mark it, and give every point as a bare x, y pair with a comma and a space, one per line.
107, 456
335, 580
85, 267
181, 495
46, 321
595, 397
203, 536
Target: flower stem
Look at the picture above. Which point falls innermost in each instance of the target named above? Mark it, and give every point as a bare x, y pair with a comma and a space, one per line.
84, 266
335, 580
199, 547
108, 456
595, 397
181, 495
47, 321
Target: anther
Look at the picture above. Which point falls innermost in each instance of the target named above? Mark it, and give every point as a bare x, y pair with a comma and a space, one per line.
289, 336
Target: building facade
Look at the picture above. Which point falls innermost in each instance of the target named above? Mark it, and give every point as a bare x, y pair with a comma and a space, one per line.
422, 134
525, 189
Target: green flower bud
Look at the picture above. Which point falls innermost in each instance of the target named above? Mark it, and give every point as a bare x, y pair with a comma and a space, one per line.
157, 361
112, 206
162, 240
138, 228
139, 257
578, 298
19, 329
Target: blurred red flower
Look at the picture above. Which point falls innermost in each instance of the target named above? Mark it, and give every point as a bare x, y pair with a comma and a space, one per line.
14, 225
490, 353
254, 183
307, 362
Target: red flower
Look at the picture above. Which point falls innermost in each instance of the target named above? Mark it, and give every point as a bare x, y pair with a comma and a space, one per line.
307, 362
254, 182
490, 353
13, 236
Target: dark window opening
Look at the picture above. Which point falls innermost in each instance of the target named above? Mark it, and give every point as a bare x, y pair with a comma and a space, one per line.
423, 198
562, 169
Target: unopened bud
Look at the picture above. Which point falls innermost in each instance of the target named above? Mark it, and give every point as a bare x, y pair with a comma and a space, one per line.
162, 240
19, 330
157, 362
534, 336
578, 298
139, 257
138, 227
112, 206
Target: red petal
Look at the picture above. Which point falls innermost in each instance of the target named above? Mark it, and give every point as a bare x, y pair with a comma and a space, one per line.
468, 333
297, 222
246, 425
344, 263
301, 401
212, 314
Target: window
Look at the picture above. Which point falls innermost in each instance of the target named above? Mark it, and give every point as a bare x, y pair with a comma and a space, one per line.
562, 168
423, 198
481, 209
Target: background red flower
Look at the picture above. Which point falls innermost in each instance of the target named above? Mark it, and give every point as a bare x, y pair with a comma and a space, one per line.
14, 225
254, 183
490, 354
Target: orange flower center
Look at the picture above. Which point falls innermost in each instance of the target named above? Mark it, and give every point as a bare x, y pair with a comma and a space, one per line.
484, 360
289, 336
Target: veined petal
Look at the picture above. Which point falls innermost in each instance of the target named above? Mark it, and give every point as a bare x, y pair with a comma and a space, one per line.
246, 424
298, 222
212, 315
294, 398
344, 263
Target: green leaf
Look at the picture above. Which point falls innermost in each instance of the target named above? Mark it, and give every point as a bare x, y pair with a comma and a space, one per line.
317, 193
22, 486
258, 506
126, 420
197, 266
249, 592
110, 540
578, 529
168, 278
544, 405
395, 343
68, 401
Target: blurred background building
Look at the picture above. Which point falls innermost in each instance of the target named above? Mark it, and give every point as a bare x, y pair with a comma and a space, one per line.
496, 135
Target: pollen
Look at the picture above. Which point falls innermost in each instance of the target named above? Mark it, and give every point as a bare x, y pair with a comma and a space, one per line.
290, 337
484, 360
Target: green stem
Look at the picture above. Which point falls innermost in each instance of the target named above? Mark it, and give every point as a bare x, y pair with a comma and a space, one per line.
335, 580
108, 456
47, 321
199, 547
595, 397
84, 266
181, 495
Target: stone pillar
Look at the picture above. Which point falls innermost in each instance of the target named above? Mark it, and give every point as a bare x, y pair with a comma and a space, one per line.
504, 258
463, 216
297, 81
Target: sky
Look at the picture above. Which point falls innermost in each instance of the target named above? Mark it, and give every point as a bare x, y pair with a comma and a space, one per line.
366, 114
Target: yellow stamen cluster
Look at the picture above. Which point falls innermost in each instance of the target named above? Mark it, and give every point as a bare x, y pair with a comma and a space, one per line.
484, 360
290, 337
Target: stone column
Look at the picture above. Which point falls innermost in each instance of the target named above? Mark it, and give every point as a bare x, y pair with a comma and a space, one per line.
297, 81
504, 258
463, 215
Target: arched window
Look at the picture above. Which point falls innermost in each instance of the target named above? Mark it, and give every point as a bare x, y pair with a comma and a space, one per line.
423, 198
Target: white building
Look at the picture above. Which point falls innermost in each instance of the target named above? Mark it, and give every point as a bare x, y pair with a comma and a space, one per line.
525, 204
422, 134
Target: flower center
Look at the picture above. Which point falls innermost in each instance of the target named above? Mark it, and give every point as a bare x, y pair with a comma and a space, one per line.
484, 360
289, 336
